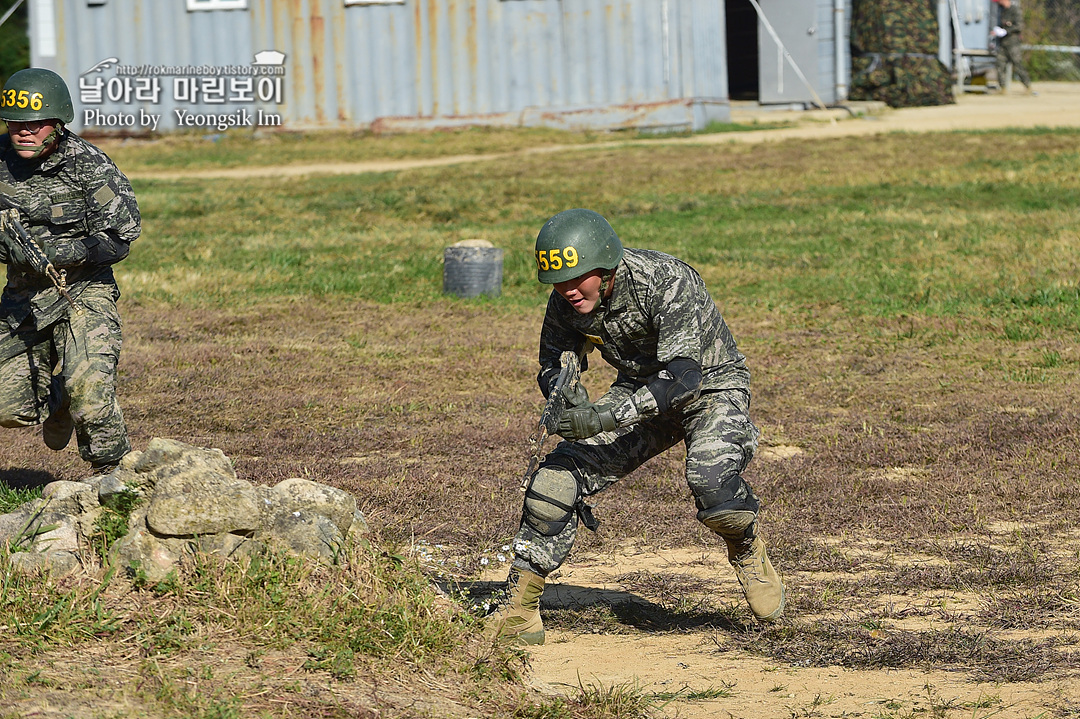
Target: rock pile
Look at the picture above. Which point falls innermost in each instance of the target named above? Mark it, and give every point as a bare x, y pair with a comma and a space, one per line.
176, 500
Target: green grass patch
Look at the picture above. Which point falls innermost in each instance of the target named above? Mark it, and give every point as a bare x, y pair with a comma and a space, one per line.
908, 305
989, 244
112, 523
13, 498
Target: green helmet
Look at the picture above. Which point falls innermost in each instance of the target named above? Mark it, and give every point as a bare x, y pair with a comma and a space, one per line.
573, 243
36, 94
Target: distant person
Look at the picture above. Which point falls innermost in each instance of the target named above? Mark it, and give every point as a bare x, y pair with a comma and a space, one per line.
57, 361
680, 379
1007, 31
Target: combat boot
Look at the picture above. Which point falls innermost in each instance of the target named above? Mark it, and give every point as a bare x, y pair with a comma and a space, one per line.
100, 469
57, 428
762, 586
518, 620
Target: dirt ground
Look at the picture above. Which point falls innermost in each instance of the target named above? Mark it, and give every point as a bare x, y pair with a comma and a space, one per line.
1057, 104
703, 662
757, 688
702, 669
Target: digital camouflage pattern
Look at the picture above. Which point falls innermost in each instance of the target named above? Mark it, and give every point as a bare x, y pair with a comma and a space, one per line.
1011, 20
894, 45
81, 209
87, 350
720, 441
659, 310
75, 195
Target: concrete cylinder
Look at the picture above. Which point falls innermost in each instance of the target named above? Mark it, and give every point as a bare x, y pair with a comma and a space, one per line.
472, 268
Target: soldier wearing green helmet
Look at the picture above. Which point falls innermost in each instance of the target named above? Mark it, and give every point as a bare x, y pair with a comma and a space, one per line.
680, 378
59, 350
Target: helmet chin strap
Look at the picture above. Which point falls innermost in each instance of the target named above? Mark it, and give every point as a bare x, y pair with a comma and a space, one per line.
604, 279
48, 142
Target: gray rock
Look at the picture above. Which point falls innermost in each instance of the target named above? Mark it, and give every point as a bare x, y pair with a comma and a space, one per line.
359, 524
56, 563
229, 545
153, 557
22, 528
113, 487
13, 523
302, 494
309, 534
191, 504
179, 500
164, 457
70, 497
60, 534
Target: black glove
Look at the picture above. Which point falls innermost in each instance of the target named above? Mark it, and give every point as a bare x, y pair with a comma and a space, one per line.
14, 251
585, 422
16, 255
65, 253
5, 249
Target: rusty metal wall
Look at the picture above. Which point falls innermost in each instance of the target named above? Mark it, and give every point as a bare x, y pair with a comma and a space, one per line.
134, 32
441, 62
420, 63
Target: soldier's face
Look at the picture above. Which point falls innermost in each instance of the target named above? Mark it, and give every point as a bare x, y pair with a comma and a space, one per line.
33, 139
583, 293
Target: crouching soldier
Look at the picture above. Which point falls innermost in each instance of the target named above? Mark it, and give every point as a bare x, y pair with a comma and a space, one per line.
680, 378
71, 216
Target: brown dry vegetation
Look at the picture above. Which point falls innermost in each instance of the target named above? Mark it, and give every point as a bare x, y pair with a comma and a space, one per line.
917, 472
420, 412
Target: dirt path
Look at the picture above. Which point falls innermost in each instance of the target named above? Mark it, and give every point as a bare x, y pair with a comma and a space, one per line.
703, 660
748, 686
1057, 105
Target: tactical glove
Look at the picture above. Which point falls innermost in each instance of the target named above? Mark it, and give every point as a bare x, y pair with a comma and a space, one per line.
65, 253
13, 235
13, 252
585, 422
577, 397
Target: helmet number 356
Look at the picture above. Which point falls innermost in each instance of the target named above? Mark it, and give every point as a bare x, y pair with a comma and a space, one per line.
556, 259
21, 99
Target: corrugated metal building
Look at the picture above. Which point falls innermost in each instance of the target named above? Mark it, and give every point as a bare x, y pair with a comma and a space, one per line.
136, 65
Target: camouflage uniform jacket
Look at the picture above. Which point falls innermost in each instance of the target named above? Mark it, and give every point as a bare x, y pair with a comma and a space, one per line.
75, 194
659, 310
1011, 19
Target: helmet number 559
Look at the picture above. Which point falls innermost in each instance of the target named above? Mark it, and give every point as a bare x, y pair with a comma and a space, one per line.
556, 259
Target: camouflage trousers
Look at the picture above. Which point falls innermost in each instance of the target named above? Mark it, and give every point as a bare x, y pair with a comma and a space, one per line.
720, 441
82, 351
1009, 51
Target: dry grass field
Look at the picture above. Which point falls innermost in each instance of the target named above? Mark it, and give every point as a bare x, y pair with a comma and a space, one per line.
910, 312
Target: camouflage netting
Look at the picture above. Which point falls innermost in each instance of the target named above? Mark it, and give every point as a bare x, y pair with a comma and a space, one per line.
894, 45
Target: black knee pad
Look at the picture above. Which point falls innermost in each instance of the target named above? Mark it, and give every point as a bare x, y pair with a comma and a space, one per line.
729, 508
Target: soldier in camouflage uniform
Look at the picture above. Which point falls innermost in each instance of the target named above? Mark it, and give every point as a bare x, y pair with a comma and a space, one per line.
58, 359
681, 378
1007, 31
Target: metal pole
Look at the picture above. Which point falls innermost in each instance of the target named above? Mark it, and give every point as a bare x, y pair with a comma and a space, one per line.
959, 58
787, 55
11, 9
838, 49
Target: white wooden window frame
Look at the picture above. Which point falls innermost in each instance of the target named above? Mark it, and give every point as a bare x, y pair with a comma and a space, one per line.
199, 5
